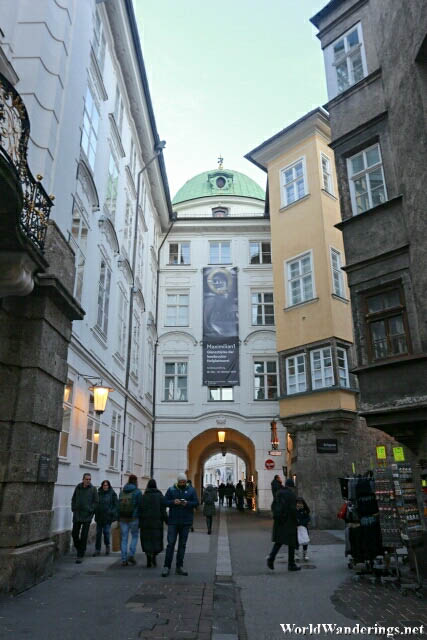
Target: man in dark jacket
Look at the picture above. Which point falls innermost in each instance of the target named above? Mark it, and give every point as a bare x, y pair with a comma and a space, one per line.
181, 500
240, 495
284, 509
276, 484
83, 506
229, 493
221, 493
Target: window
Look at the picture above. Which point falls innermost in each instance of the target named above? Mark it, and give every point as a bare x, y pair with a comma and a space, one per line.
342, 367
90, 128
122, 324
116, 424
220, 394
140, 259
219, 212
345, 61
136, 345
132, 159
300, 279
293, 183
103, 297
99, 42
366, 176
387, 327
337, 274
260, 252
179, 253
322, 374
128, 228
219, 252
265, 372
118, 109
79, 233
66, 419
262, 308
92, 434
296, 381
177, 309
175, 382
112, 183
130, 438
150, 367
147, 461
326, 174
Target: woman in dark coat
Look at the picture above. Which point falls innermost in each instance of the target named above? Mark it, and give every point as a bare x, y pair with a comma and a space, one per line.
208, 500
152, 515
105, 514
284, 509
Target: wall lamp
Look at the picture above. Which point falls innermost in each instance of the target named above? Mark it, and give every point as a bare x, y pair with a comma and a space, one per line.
100, 393
221, 440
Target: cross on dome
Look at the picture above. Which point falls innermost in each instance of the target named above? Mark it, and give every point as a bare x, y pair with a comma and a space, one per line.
220, 162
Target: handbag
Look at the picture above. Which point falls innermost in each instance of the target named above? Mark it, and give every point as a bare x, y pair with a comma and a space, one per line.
303, 537
116, 538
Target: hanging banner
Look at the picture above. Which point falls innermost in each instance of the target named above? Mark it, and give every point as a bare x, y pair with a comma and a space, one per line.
220, 327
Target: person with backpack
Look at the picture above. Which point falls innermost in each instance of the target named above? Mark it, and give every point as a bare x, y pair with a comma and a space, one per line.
105, 515
181, 500
208, 500
129, 501
83, 505
152, 515
240, 496
284, 509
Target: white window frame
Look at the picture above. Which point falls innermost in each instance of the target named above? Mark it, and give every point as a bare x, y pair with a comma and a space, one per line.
93, 425
265, 374
118, 109
140, 259
181, 259
292, 379
284, 196
104, 286
260, 253
128, 227
136, 344
68, 401
221, 243
327, 182
132, 158
352, 177
147, 457
79, 234
288, 278
174, 379
255, 307
177, 306
338, 286
99, 42
343, 368
112, 186
325, 352
122, 322
211, 388
331, 63
116, 428
90, 125
130, 446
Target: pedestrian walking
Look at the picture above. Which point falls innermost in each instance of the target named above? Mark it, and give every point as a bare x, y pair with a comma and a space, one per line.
303, 520
129, 501
240, 496
83, 506
208, 500
152, 515
181, 500
229, 493
105, 514
285, 524
276, 484
221, 493
250, 494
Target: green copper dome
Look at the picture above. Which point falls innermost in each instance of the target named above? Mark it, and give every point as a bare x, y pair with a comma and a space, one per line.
219, 182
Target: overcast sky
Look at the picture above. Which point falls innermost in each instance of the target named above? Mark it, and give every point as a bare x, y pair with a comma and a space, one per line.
226, 76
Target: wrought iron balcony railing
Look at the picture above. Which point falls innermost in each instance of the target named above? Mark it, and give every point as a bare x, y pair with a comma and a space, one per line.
14, 135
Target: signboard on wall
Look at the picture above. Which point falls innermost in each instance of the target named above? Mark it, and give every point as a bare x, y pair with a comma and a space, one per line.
269, 464
327, 445
220, 327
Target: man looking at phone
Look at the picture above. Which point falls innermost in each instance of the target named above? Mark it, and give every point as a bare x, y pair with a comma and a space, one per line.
181, 500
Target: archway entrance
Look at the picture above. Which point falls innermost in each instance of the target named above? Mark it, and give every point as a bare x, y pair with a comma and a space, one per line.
223, 468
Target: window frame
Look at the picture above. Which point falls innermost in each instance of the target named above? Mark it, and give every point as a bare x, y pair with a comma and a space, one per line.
262, 304
283, 194
322, 350
220, 243
178, 294
331, 62
130, 446
342, 294
375, 316
261, 253
175, 377
68, 405
119, 109
81, 249
345, 368
122, 322
180, 256
329, 188
220, 399
136, 345
112, 186
365, 173
294, 356
288, 279
103, 304
115, 432
95, 423
265, 374
91, 130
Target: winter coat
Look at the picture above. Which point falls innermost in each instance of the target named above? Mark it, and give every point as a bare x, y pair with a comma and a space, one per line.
208, 500
221, 490
180, 514
303, 516
84, 503
240, 492
285, 527
152, 515
136, 497
107, 509
229, 490
275, 486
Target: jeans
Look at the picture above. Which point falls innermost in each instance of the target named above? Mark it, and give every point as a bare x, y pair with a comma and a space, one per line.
291, 553
80, 533
102, 529
175, 530
126, 527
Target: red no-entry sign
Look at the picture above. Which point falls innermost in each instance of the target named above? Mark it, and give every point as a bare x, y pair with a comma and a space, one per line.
269, 464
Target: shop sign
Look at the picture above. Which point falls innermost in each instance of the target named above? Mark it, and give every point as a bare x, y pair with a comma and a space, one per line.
274, 452
269, 464
398, 454
381, 453
327, 445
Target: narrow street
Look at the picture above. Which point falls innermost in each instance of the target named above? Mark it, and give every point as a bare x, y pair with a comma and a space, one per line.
219, 600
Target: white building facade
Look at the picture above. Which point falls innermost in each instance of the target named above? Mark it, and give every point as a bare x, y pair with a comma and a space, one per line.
79, 69
220, 223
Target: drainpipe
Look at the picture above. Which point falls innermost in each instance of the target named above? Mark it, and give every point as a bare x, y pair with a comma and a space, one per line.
156, 344
158, 150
